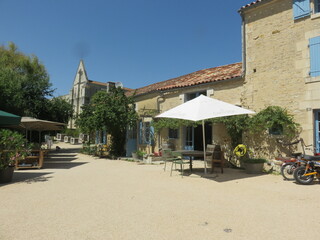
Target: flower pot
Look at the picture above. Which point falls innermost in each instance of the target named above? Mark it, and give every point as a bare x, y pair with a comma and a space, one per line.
6, 174
254, 168
135, 156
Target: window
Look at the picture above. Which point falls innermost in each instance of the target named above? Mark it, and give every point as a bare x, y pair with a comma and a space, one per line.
301, 8
146, 133
190, 96
316, 6
276, 129
173, 133
314, 48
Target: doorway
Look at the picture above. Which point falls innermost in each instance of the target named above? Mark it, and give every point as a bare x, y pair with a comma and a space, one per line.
194, 137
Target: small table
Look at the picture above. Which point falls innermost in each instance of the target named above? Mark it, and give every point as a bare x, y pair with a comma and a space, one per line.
192, 153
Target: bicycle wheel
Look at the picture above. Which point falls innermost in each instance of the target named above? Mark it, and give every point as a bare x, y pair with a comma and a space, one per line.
298, 176
287, 171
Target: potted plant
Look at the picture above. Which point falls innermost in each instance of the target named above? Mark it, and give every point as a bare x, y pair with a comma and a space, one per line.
12, 147
254, 165
138, 154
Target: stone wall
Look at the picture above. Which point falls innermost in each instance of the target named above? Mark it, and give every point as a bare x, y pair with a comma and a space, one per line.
229, 91
277, 62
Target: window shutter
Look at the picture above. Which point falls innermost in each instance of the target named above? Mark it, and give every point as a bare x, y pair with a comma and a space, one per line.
97, 137
301, 8
151, 140
104, 137
140, 132
314, 46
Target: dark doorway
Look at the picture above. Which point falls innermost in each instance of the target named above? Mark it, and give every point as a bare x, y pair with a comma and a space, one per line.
198, 138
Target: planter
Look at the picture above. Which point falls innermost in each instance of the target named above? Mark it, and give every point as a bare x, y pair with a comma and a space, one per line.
147, 159
135, 156
254, 168
6, 174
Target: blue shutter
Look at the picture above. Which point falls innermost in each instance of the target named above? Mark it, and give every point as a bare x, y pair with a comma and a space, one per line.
97, 137
301, 8
104, 137
151, 140
140, 132
314, 46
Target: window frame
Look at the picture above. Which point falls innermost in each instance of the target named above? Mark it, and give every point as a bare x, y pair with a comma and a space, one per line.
173, 133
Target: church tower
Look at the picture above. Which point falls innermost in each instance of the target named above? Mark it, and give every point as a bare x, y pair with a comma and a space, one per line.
78, 93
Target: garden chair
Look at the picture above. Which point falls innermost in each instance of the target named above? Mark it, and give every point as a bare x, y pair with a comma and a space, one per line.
167, 156
217, 158
180, 161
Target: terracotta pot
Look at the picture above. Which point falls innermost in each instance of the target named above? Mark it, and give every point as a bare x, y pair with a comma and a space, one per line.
6, 174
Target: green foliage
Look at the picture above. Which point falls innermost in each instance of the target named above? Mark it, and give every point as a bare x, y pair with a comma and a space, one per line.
57, 110
12, 146
113, 111
72, 132
172, 123
274, 117
235, 126
86, 119
140, 153
24, 83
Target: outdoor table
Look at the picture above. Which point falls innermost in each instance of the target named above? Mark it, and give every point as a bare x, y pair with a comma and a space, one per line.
191, 154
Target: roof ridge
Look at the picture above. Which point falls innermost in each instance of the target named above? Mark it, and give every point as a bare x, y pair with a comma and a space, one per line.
202, 76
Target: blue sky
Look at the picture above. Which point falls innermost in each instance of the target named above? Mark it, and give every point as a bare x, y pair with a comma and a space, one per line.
136, 42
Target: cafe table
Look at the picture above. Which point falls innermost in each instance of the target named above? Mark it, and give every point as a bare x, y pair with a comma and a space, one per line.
191, 154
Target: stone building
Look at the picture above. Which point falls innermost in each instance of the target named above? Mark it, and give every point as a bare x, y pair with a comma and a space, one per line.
82, 91
281, 67
224, 83
281, 59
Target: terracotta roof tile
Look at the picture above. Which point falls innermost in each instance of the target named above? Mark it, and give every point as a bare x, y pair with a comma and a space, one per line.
196, 78
250, 4
98, 83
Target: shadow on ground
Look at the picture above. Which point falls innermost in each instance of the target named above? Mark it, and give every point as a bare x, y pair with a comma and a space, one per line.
29, 177
62, 159
229, 174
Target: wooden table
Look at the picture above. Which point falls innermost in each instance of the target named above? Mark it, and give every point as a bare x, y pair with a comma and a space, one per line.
191, 154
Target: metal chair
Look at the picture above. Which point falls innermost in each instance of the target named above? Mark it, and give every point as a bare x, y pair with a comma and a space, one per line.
167, 156
180, 161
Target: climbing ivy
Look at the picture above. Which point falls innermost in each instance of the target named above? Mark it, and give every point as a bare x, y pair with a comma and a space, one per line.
274, 118
160, 123
235, 126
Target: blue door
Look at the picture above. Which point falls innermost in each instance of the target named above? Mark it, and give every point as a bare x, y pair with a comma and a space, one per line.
131, 143
317, 130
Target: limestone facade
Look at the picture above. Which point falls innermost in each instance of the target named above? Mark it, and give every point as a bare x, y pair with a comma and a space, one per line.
276, 59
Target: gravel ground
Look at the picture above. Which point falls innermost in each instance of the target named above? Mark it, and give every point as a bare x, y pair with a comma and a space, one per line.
80, 197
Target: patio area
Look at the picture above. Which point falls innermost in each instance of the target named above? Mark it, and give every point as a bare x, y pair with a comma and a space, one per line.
76, 196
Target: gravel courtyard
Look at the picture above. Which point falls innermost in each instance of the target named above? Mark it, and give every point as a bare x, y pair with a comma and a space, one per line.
80, 197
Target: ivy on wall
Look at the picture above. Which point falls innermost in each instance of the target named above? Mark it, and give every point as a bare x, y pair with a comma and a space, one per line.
274, 119
172, 123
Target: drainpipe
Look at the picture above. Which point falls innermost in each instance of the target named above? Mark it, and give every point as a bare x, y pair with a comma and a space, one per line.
243, 40
160, 99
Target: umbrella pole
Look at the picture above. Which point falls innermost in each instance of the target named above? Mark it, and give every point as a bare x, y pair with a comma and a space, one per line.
204, 147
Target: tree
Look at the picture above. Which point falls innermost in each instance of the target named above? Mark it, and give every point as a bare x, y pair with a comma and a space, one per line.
57, 109
86, 120
24, 83
115, 111
112, 111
